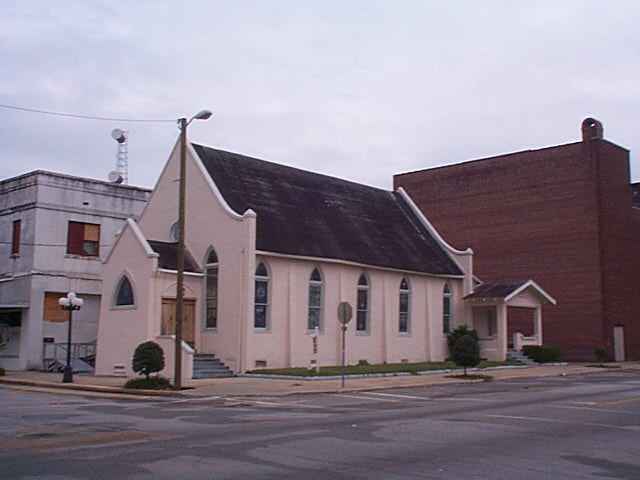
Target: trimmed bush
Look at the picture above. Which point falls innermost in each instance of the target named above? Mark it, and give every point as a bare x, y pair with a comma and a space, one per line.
466, 352
152, 383
461, 331
148, 358
542, 353
2, 372
601, 354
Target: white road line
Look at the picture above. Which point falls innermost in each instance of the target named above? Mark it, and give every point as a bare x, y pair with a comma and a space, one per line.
466, 399
575, 407
394, 395
366, 398
194, 399
554, 420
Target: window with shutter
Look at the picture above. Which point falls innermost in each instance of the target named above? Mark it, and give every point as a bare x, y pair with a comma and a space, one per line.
83, 239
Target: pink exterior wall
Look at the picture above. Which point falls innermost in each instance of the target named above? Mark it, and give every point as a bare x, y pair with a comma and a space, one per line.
286, 341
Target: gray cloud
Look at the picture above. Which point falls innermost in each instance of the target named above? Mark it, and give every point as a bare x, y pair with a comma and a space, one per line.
359, 89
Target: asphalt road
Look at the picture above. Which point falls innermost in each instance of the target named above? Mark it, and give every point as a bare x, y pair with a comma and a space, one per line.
576, 427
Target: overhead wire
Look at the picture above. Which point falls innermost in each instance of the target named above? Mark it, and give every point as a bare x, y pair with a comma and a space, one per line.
83, 116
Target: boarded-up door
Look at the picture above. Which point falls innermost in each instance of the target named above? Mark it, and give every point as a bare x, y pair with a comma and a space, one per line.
169, 319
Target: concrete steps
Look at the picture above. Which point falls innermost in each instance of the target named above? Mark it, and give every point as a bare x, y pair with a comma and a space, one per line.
514, 356
207, 365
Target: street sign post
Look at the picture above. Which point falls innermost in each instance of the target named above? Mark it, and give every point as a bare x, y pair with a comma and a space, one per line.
345, 313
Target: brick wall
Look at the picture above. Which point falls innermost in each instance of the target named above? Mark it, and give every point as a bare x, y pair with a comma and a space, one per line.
532, 214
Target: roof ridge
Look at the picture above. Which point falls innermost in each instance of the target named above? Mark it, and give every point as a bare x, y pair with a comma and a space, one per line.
289, 167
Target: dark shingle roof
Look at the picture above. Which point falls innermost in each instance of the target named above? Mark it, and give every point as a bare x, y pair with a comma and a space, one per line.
496, 289
168, 259
635, 188
308, 214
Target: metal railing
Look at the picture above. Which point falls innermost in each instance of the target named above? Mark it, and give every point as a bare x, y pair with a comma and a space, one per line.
54, 355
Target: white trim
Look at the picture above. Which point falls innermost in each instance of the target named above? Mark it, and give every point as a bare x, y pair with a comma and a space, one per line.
131, 223
185, 346
317, 260
175, 272
535, 286
429, 226
15, 306
214, 188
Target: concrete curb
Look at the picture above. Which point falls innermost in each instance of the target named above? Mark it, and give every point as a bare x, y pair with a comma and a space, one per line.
396, 374
77, 387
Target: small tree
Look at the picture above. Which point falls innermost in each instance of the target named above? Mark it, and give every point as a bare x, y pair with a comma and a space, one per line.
148, 358
461, 331
466, 352
601, 354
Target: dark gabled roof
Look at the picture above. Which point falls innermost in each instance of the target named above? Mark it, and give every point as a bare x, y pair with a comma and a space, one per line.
496, 289
308, 214
168, 259
635, 188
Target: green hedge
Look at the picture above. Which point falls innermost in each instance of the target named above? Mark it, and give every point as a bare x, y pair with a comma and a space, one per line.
542, 354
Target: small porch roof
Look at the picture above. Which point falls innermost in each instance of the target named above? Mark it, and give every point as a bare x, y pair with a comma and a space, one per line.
168, 256
508, 290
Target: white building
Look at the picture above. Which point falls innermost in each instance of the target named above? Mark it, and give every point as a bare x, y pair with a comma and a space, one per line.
55, 230
272, 251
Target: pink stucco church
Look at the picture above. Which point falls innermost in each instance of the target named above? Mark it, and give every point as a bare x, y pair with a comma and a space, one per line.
272, 251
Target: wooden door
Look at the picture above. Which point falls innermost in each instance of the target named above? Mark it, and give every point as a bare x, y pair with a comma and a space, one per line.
168, 326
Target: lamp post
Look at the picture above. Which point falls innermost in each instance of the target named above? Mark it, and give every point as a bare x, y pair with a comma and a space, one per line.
69, 303
183, 123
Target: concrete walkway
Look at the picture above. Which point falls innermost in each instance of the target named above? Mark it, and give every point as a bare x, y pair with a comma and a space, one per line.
246, 386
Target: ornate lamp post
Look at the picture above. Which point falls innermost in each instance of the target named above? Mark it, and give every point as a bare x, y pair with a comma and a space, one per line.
69, 303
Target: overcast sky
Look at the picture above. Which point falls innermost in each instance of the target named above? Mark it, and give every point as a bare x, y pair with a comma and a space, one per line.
355, 89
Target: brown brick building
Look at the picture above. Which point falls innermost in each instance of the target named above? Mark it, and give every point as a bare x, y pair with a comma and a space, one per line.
566, 216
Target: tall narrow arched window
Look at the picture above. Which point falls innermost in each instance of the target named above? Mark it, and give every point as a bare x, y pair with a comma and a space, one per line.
211, 288
405, 306
124, 293
314, 318
261, 302
447, 313
362, 315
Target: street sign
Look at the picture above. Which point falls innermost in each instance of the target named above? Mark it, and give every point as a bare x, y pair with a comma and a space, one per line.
345, 313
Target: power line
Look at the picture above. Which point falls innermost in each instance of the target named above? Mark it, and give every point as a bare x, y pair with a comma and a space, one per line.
86, 117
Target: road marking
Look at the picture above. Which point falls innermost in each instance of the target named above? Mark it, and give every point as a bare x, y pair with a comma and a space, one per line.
619, 402
603, 410
466, 399
266, 403
395, 395
554, 420
367, 398
194, 399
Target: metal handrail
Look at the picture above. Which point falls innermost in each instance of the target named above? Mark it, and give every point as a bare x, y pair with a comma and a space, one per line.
57, 352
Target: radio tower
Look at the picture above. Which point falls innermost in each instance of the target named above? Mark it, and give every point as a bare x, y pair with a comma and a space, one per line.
121, 173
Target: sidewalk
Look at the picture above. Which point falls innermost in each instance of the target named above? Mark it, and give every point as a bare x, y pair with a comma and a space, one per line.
246, 386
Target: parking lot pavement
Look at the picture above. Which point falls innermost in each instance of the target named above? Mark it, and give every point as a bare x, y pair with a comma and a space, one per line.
562, 427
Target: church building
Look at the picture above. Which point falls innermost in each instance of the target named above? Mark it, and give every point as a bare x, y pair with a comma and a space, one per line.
271, 252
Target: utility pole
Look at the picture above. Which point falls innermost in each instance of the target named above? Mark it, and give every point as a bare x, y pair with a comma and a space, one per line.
182, 201
182, 194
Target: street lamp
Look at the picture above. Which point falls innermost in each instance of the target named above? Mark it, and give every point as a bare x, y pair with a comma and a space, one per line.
69, 303
183, 123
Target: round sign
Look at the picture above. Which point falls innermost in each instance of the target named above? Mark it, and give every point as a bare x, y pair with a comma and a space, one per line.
345, 312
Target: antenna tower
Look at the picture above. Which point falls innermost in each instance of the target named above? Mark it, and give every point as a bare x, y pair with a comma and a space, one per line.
121, 173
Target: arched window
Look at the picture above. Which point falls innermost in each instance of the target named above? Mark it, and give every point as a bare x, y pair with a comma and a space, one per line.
446, 309
124, 293
362, 315
314, 318
261, 309
405, 312
211, 287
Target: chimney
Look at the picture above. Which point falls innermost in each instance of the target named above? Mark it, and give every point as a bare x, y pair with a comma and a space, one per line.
591, 129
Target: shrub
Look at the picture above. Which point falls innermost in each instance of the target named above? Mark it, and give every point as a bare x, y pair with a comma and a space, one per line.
601, 354
542, 353
363, 363
2, 372
152, 383
466, 352
148, 358
461, 331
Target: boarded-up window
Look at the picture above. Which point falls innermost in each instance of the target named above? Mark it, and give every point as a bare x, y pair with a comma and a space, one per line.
15, 237
83, 239
52, 311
